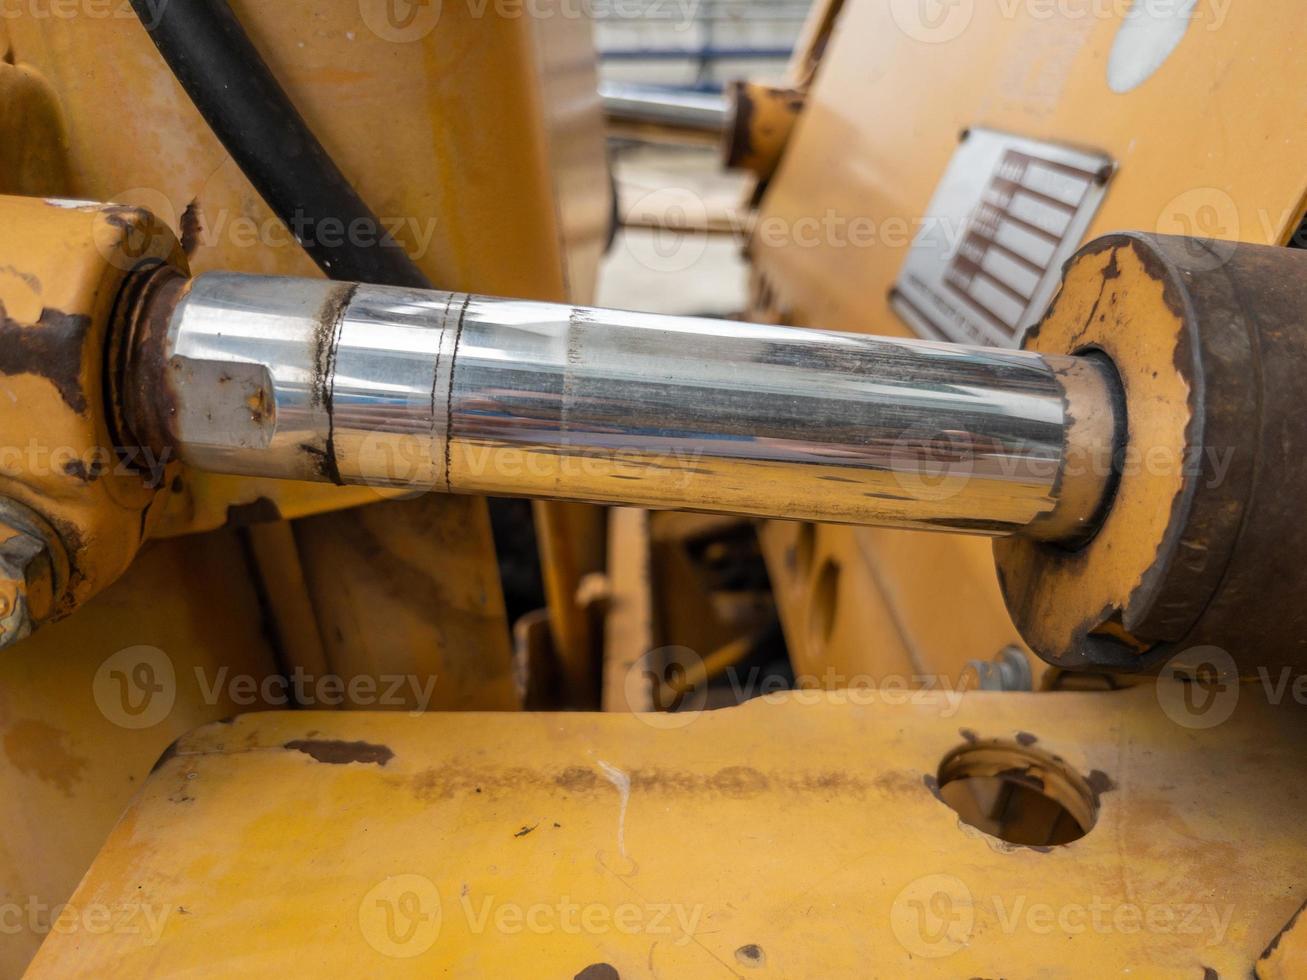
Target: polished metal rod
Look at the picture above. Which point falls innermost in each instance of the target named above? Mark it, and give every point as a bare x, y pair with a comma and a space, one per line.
700, 111
307, 379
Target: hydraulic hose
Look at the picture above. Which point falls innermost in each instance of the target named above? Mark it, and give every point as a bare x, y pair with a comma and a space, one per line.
231, 85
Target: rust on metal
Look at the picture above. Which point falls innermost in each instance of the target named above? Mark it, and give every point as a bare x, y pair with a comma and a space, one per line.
259, 511
729, 782
738, 146
1207, 342
147, 399
192, 228
762, 119
751, 954
1276, 961
339, 753
330, 320
53, 348
83, 471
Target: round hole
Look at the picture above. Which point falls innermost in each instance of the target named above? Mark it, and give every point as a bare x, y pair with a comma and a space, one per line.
1017, 794
823, 605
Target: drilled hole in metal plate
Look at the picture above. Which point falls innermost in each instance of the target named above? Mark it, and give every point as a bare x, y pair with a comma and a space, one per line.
1017, 794
823, 605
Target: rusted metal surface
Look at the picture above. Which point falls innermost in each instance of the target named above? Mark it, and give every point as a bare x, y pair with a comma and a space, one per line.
111, 125
93, 495
535, 663
335, 752
50, 348
134, 137
1285, 956
1199, 542
762, 118
142, 398
849, 864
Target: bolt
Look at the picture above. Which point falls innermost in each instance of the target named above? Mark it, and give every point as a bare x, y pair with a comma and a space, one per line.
1008, 671
25, 581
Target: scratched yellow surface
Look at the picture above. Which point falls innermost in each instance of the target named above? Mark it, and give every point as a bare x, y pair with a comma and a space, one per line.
793, 838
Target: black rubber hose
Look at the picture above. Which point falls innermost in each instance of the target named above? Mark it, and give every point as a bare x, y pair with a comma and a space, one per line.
247, 109
214, 60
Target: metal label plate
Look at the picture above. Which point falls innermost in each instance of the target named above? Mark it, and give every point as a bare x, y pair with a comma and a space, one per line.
1007, 215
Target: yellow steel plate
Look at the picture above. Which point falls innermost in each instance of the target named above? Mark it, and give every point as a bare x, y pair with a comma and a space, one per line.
792, 838
1210, 144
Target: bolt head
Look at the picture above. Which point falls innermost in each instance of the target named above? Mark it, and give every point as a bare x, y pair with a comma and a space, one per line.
24, 569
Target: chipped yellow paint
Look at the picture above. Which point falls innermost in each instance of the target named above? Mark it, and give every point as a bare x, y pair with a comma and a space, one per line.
762, 121
516, 208
1112, 301
61, 268
882, 121
1286, 957
726, 847
489, 165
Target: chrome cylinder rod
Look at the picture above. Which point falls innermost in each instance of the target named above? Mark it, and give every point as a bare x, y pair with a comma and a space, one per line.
648, 105
312, 380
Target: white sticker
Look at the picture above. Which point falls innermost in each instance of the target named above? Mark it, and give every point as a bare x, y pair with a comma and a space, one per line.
1006, 215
